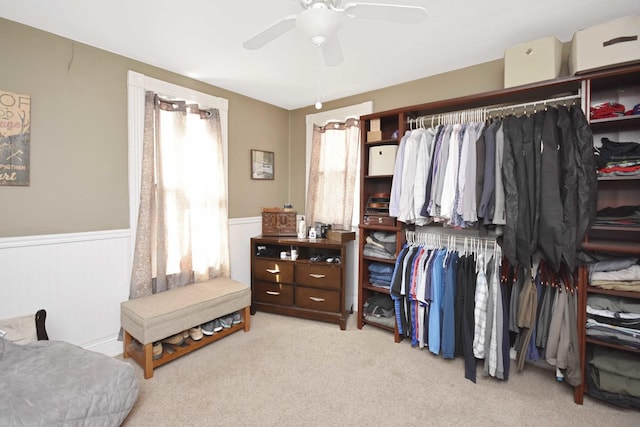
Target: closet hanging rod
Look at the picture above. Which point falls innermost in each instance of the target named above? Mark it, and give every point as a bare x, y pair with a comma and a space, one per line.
453, 241
492, 108
534, 103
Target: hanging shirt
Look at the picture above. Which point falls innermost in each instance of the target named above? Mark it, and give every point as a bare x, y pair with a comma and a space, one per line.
448, 303
435, 314
408, 175
396, 183
499, 216
437, 142
439, 172
423, 164
469, 205
480, 310
449, 184
461, 179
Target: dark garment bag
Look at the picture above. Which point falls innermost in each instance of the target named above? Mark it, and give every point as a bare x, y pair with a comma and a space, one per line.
551, 212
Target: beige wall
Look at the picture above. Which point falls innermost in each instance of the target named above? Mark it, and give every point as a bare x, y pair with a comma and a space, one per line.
79, 136
467, 81
79, 132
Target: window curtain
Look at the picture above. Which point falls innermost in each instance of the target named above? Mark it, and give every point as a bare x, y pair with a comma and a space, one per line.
182, 234
333, 173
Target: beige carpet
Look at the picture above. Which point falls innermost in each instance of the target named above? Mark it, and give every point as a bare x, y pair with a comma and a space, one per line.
289, 371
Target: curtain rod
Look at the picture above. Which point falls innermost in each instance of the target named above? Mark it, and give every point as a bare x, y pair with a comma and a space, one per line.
480, 113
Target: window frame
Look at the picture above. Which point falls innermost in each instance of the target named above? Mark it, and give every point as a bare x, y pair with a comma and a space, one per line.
137, 85
321, 119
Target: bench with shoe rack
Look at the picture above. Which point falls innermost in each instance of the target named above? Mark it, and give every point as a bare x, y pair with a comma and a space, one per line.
168, 318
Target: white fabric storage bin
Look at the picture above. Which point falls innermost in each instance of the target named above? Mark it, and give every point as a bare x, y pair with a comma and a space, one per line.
382, 159
613, 43
532, 61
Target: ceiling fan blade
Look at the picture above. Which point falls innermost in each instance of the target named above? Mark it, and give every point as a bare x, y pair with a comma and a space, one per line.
386, 12
332, 51
271, 33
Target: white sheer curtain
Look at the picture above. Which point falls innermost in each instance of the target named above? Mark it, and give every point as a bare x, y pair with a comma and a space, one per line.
333, 173
182, 231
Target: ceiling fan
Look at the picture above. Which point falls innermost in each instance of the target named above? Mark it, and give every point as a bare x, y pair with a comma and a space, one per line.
320, 21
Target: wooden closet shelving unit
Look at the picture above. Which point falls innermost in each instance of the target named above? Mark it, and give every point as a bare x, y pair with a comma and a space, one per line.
621, 85
393, 124
622, 190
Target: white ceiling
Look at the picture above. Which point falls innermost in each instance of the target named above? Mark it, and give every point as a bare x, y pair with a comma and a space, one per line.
203, 39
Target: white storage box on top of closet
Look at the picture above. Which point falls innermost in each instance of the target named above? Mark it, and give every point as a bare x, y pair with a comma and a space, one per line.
532, 61
612, 43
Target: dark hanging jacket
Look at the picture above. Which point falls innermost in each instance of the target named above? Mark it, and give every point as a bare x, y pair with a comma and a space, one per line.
510, 190
551, 212
525, 164
569, 186
586, 174
538, 122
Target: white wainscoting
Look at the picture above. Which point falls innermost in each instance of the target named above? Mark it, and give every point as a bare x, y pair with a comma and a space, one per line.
241, 230
81, 279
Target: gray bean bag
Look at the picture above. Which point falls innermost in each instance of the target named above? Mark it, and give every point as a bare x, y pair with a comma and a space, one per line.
57, 383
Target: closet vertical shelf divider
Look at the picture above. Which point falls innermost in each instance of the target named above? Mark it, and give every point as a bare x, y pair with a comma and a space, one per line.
379, 133
622, 86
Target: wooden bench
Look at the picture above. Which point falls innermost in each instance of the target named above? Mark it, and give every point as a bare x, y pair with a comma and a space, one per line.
155, 317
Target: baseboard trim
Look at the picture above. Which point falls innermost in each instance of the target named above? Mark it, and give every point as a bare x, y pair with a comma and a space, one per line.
110, 346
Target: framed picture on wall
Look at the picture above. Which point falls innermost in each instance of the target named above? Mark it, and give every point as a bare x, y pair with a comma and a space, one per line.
262, 164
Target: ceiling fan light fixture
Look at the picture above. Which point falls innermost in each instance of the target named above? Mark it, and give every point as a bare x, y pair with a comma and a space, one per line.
319, 23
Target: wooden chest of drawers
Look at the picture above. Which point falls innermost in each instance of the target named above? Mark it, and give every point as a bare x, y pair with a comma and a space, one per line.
312, 286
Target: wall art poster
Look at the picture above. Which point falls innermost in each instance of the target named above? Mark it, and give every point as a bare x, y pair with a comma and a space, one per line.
15, 134
262, 166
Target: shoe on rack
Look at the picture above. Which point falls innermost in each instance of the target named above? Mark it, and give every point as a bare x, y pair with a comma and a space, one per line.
236, 318
176, 339
185, 334
217, 325
226, 321
157, 350
207, 328
196, 333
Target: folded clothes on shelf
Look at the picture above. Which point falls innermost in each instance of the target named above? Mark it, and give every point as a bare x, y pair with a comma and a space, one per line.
608, 152
628, 215
607, 110
380, 245
633, 111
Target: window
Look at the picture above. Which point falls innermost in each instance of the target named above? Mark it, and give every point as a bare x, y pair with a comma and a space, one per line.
322, 119
177, 185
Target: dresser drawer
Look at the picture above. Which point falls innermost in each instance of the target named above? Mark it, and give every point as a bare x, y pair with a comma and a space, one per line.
272, 293
273, 271
318, 299
319, 276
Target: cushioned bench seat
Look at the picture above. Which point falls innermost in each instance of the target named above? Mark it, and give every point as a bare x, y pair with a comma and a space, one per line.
155, 317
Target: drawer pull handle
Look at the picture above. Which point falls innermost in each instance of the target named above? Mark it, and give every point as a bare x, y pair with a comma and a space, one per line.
273, 270
316, 299
317, 276
273, 293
